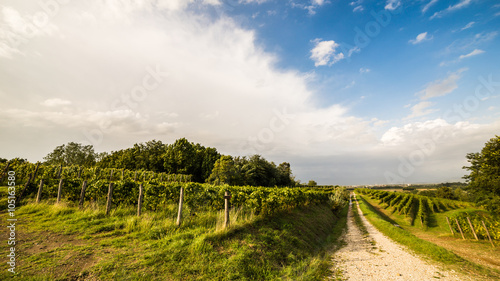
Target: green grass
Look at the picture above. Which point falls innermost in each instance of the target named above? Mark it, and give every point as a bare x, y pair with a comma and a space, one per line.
357, 219
87, 243
421, 247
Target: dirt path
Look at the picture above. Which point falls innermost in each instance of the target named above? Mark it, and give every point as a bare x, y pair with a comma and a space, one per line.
376, 257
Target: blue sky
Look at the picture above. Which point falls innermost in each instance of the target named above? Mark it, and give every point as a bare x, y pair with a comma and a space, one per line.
348, 92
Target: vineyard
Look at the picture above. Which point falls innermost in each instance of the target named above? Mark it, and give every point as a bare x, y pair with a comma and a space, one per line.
423, 209
160, 189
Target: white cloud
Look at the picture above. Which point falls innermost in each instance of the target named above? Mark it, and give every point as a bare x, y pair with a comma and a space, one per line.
55, 102
460, 5
420, 38
428, 5
467, 26
441, 87
253, 1
323, 53
223, 90
392, 4
421, 109
473, 53
364, 70
358, 9
318, 2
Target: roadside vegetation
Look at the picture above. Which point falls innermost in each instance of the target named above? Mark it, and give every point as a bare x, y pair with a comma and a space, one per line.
399, 228
62, 242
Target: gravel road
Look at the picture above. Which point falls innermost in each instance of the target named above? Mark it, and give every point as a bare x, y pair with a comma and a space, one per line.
376, 257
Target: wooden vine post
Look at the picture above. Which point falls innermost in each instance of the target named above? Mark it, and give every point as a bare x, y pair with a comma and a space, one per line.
110, 196
487, 232
460, 228
80, 172
39, 195
135, 176
449, 224
179, 214
139, 200
82, 194
30, 178
111, 175
227, 196
59, 190
472, 228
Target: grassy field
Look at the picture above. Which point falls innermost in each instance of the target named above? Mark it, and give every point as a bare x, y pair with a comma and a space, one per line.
62, 242
424, 242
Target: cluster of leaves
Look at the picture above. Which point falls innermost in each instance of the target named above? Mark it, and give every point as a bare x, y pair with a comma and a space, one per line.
484, 177
204, 164
161, 189
254, 171
477, 219
414, 207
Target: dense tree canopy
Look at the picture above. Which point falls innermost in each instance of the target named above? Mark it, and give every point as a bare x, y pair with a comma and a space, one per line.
484, 177
204, 164
255, 171
72, 154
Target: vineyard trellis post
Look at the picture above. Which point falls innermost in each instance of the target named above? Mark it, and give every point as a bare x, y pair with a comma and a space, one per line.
111, 175
79, 172
82, 194
39, 195
30, 178
472, 228
487, 232
59, 189
110, 196
139, 200
460, 228
179, 214
227, 196
135, 176
451, 229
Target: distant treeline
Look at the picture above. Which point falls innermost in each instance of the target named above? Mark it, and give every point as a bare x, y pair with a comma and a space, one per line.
204, 164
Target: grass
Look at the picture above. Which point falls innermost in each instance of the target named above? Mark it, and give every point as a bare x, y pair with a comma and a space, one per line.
387, 225
62, 242
358, 221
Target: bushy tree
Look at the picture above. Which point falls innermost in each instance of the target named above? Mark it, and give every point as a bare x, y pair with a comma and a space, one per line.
484, 177
72, 154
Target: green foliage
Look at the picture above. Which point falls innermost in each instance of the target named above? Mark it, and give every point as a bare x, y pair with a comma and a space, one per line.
72, 154
476, 218
162, 189
484, 176
413, 207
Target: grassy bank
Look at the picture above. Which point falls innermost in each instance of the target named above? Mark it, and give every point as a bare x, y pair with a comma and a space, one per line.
391, 228
61, 242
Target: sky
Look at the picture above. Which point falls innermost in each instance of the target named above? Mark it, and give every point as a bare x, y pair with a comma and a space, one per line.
348, 92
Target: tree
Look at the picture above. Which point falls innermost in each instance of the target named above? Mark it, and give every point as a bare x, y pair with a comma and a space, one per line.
446, 193
284, 174
484, 177
224, 171
72, 154
184, 157
312, 183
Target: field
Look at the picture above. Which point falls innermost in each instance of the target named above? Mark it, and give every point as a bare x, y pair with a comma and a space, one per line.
426, 219
274, 233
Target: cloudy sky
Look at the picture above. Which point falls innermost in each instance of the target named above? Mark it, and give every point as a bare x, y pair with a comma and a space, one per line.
363, 92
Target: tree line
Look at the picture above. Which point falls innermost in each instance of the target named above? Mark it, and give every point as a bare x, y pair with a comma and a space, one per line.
204, 164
